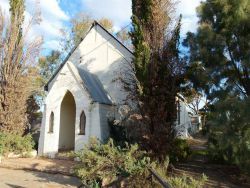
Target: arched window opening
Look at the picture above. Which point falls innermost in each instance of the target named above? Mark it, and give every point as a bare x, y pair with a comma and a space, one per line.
82, 123
179, 112
51, 122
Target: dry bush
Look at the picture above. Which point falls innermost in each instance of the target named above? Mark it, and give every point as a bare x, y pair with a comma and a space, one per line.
18, 58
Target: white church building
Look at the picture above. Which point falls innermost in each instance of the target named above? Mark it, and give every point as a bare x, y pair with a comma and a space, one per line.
84, 92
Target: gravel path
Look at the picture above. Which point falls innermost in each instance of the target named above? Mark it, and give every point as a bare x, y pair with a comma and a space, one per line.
52, 166
29, 179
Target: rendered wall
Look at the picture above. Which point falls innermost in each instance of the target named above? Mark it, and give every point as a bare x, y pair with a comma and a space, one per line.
185, 121
104, 56
64, 82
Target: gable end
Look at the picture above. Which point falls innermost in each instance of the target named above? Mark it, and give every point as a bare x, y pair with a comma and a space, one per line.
95, 23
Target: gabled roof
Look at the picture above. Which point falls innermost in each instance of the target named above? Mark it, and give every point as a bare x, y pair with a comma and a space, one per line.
94, 87
95, 23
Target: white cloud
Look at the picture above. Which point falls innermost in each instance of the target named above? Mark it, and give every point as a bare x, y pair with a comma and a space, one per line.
117, 10
189, 24
53, 19
4, 4
120, 12
52, 10
187, 7
52, 45
188, 10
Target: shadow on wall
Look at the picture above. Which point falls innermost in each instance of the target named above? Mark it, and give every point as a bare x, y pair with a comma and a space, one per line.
111, 78
104, 112
67, 122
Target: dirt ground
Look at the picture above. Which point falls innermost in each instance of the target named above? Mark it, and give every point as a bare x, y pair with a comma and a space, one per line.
56, 166
218, 175
30, 179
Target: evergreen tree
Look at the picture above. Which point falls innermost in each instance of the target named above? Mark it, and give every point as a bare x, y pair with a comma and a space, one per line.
229, 138
221, 47
158, 71
219, 65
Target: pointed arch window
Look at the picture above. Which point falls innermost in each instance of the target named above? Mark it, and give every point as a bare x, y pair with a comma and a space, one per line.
51, 122
82, 123
179, 112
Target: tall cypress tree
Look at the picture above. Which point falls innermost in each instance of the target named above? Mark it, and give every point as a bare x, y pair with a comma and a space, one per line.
156, 64
141, 16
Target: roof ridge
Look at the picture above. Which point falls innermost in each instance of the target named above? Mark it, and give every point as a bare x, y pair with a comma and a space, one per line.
76, 46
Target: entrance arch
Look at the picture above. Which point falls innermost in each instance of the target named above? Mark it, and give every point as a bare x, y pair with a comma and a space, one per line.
67, 123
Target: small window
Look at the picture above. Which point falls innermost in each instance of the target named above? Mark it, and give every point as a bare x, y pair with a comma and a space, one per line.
82, 123
51, 122
179, 112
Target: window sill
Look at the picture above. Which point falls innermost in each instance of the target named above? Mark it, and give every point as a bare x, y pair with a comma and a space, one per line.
81, 134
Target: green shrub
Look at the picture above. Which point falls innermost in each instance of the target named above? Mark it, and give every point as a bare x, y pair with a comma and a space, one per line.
103, 164
180, 151
229, 138
187, 182
15, 143
110, 162
230, 149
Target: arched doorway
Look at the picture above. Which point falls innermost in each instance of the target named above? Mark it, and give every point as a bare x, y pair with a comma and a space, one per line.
67, 123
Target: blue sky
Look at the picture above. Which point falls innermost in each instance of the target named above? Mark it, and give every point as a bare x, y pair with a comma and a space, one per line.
56, 14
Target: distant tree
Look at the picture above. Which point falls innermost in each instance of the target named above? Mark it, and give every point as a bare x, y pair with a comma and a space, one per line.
195, 100
107, 24
125, 38
80, 25
48, 65
17, 59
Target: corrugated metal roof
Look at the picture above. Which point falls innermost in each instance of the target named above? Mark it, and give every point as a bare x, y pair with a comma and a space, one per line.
94, 87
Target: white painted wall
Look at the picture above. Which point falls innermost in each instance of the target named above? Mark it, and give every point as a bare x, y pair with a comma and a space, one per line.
64, 82
104, 56
105, 112
185, 121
